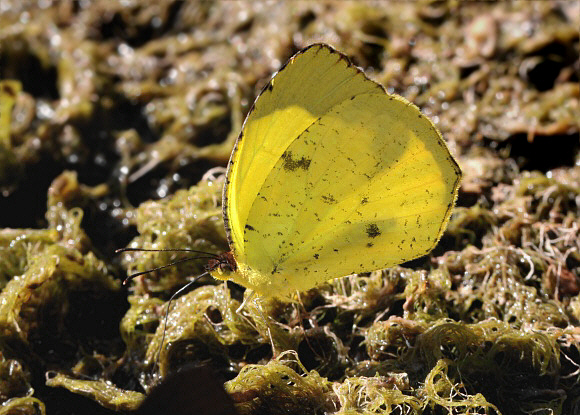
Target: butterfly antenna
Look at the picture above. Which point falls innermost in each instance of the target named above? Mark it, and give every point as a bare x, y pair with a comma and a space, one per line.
179, 261
117, 251
177, 293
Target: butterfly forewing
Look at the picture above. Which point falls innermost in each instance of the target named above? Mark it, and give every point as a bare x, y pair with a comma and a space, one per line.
312, 82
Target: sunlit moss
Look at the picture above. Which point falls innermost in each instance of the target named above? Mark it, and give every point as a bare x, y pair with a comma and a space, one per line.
15, 389
204, 324
376, 395
23, 406
282, 385
141, 99
486, 356
189, 333
98, 390
66, 199
10, 167
441, 391
9, 89
17, 245
39, 303
392, 338
50, 278
469, 225
502, 283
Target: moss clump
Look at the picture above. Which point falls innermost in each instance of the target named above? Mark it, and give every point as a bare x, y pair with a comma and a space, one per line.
282, 385
118, 104
47, 274
376, 395
16, 391
99, 390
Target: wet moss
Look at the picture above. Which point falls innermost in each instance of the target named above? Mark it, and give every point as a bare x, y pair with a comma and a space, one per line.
107, 107
99, 390
281, 386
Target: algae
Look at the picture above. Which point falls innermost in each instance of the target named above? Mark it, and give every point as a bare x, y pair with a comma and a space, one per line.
277, 387
116, 119
99, 390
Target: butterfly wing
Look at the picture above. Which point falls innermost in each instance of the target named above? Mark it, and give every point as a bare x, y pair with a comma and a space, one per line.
312, 81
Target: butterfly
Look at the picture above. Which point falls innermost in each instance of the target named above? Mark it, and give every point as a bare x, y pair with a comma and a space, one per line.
331, 176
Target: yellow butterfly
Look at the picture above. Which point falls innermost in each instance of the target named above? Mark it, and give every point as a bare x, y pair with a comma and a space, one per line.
331, 176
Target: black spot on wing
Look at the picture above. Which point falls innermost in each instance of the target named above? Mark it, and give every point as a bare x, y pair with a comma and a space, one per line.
329, 199
250, 227
293, 164
373, 230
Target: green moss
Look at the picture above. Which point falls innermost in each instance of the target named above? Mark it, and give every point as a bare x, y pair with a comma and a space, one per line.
10, 168
98, 390
16, 390
119, 103
24, 406
282, 385
375, 395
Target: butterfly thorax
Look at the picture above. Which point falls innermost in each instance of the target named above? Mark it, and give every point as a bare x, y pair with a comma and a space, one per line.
226, 267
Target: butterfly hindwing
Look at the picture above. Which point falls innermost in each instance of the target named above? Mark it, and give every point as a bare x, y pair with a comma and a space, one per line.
360, 189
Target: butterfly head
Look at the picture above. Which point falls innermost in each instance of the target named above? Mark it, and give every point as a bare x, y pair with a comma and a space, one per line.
222, 266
